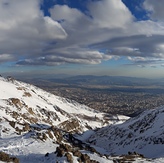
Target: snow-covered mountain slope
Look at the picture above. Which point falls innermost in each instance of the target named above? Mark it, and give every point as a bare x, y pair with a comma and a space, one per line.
37, 127
34, 122
22, 103
143, 134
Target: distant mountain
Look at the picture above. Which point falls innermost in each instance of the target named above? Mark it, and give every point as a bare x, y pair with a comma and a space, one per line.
143, 134
101, 80
98, 80
106, 79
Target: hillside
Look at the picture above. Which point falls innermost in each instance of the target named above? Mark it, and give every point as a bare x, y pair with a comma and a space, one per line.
25, 103
143, 134
34, 122
36, 126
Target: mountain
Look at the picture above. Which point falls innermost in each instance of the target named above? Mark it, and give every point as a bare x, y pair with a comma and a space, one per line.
34, 122
143, 134
81, 80
39, 127
24, 103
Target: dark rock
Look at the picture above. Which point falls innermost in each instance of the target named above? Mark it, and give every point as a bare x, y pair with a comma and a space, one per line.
77, 153
69, 157
47, 154
85, 158
14, 159
59, 151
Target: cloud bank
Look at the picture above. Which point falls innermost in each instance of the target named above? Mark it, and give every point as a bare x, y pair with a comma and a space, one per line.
106, 31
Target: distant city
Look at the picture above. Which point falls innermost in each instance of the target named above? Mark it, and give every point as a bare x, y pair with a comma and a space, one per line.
114, 95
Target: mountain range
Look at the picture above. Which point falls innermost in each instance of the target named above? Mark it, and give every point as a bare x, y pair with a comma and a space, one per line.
36, 126
81, 80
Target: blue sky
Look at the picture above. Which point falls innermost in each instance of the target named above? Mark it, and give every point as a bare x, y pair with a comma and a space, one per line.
83, 37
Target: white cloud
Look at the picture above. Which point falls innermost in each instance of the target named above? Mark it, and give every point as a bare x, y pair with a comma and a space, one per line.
125, 51
107, 31
65, 13
110, 13
24, 29
6, 57
83, 56
155, 8
146, 61
136, 59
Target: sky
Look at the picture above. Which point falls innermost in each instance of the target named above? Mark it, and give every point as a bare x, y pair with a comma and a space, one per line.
41, 38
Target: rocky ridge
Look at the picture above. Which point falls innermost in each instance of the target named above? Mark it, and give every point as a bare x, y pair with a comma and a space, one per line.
143, 134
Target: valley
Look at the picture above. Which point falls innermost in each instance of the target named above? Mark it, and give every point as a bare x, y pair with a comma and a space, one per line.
114, 95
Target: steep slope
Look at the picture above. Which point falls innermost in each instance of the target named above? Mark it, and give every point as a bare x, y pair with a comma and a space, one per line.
143, 134
34, 122
26, 104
